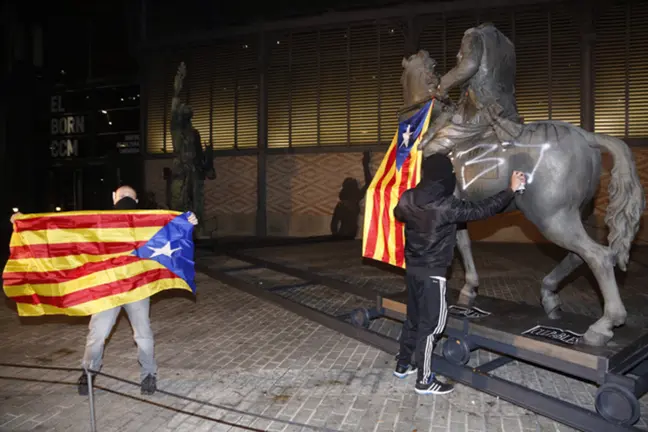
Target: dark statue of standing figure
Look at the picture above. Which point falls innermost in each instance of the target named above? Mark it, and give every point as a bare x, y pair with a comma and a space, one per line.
191, 165
486, 142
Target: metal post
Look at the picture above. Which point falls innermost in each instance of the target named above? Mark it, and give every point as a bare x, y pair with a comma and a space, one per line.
262, 140
93, 425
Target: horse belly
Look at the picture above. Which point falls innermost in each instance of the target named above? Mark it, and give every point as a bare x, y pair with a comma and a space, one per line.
482, 170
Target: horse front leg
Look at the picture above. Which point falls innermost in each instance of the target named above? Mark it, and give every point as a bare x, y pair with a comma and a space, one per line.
469, 290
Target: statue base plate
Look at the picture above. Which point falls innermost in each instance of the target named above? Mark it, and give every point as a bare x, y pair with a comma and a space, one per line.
524, 332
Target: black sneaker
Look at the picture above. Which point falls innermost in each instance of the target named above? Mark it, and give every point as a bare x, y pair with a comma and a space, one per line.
403, 371
149, 385
433, 386
82, 384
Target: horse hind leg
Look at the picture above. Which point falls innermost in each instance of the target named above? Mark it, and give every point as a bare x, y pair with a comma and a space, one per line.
549, 292
550, 299
567, 231
469, 290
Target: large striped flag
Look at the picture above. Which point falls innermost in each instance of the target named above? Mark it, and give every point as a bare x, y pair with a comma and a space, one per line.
384, 237
81, 263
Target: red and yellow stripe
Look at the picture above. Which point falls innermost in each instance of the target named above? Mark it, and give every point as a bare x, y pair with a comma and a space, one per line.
384, 237
79, 263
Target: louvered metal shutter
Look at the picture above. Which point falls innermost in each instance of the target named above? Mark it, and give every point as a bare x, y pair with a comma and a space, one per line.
547, 53
610, 71
364, 84
565, 70
392, 50
162, 70
532, 53
638, 70
247, 91
333, 97
278, 85
304, 89
433, 40
223, 101
199, 87
324, 87
621, 70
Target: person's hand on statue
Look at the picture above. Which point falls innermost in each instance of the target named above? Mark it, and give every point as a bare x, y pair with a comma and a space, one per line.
14, 216
193, 220
518, 179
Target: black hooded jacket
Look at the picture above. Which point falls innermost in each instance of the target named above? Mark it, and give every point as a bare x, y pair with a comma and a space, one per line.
430, 213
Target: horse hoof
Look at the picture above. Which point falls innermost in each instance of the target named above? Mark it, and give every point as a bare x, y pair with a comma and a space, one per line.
555, 314
595, 338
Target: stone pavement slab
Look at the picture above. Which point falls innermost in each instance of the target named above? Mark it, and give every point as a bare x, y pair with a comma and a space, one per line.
235, 351
509, 271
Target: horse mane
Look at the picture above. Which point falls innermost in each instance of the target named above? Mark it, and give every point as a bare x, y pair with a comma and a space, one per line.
424, 66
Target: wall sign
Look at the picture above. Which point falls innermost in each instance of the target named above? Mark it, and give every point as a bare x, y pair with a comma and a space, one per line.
130, 144
63, 130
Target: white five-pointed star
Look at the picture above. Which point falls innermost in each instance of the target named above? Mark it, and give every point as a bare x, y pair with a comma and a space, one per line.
406, 136
164, 250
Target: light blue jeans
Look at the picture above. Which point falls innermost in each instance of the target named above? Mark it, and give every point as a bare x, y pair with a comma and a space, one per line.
101, 325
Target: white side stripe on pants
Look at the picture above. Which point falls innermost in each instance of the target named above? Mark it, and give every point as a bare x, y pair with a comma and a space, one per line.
429, 343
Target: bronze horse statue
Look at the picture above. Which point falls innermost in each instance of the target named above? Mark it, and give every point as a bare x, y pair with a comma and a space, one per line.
562, 163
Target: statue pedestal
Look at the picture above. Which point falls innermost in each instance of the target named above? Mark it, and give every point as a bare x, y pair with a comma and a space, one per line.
524, 333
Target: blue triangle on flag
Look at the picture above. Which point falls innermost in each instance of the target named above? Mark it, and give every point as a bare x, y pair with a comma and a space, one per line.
408, 132
173, 247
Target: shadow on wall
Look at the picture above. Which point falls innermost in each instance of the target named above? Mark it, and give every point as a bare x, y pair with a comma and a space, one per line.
344, 223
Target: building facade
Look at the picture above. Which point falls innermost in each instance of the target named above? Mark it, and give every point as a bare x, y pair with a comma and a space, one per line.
292, 106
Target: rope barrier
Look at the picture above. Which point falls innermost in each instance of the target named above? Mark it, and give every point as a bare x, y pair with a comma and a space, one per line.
164, 392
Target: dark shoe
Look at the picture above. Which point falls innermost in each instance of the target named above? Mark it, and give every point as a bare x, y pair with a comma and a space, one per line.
82, 384
433, 386
149, 385
403, 371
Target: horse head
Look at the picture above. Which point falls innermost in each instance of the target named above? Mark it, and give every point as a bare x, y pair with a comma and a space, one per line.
419, 79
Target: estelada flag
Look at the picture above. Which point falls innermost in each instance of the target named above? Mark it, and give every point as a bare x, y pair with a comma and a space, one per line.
82, 263
384, 237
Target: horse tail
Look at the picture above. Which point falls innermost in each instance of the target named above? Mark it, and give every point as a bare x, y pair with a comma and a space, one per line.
627, 199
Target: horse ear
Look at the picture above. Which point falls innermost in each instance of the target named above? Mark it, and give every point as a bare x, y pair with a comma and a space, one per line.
405, 62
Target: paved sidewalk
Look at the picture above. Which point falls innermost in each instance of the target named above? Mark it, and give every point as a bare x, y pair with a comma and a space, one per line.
232, 349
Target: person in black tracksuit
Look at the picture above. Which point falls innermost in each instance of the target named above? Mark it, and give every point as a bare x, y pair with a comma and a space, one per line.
430, 213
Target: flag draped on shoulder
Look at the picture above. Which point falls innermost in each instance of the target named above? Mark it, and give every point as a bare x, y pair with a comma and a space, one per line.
82, 263
384, 238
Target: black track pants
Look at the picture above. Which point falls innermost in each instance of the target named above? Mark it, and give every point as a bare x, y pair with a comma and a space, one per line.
427, 312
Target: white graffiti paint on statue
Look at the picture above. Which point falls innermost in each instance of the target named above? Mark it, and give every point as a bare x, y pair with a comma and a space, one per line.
496, 161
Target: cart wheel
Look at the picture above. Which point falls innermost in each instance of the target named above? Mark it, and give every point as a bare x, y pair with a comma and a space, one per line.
617, 404
360, 317
456, 351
